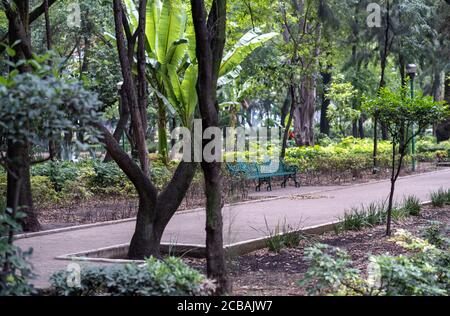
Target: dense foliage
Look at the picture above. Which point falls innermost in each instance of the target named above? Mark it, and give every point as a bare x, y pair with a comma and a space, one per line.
170, 277
422, 272
15, 269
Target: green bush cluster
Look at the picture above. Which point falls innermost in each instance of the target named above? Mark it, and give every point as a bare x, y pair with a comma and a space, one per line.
168, 277
424, 272
429, 150
55, 182
15, 269
351, 154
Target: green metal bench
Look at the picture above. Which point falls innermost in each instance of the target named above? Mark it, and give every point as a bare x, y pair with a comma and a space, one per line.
254, 171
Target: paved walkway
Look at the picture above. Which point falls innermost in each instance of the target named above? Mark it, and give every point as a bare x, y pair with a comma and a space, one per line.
241, 222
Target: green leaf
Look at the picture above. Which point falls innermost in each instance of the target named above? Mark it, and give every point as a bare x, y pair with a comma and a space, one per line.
11, 52
189, 92
171, 27
175, 83
133, 14
151, 27
243, 48
176, 52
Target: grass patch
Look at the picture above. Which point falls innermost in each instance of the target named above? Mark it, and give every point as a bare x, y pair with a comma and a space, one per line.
440, 197
411, 205
375, 214
282, 236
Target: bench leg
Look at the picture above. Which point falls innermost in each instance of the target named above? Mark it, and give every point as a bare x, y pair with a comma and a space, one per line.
283, 184
297, 183
269, 182
258, 187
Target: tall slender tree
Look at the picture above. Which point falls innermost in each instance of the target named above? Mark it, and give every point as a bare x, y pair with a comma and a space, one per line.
210, 32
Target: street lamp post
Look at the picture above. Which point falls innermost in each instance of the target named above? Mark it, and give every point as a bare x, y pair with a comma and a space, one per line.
411, 69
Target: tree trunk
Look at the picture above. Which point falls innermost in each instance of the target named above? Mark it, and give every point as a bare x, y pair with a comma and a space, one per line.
210, 39
293, 99
286, 108
18, 154
19, 171
443, 129
304, 113
361, 127
324, 121
154, 215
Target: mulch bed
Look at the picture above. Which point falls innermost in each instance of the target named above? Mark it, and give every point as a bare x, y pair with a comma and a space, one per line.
266, 273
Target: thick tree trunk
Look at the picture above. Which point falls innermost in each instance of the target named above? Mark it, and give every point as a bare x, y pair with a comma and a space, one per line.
19, 171
361, 127
18, 154
443, 129
154, 215
304, 113
324, 121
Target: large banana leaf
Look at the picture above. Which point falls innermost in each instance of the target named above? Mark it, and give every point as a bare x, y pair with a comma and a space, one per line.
243, 48
153, 13
171, 27
133, 14
189, 92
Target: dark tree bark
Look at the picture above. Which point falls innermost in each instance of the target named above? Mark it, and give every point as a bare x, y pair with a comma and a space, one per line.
18, 153
361, 126
210, 40
324, 121
443, 129
383, 63
48, 30
285, 108
293, 99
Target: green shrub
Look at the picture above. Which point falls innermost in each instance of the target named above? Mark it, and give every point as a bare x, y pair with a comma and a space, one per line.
436, 234
105, 175
424, 272
170, 277
15, 270
58, 172
412, 205
75, 190
3, 185
43, 191
351, 154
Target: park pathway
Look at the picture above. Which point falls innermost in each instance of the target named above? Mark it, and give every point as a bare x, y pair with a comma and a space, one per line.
241, 222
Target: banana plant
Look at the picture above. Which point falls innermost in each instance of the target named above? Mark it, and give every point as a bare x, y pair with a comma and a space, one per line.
172, 64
